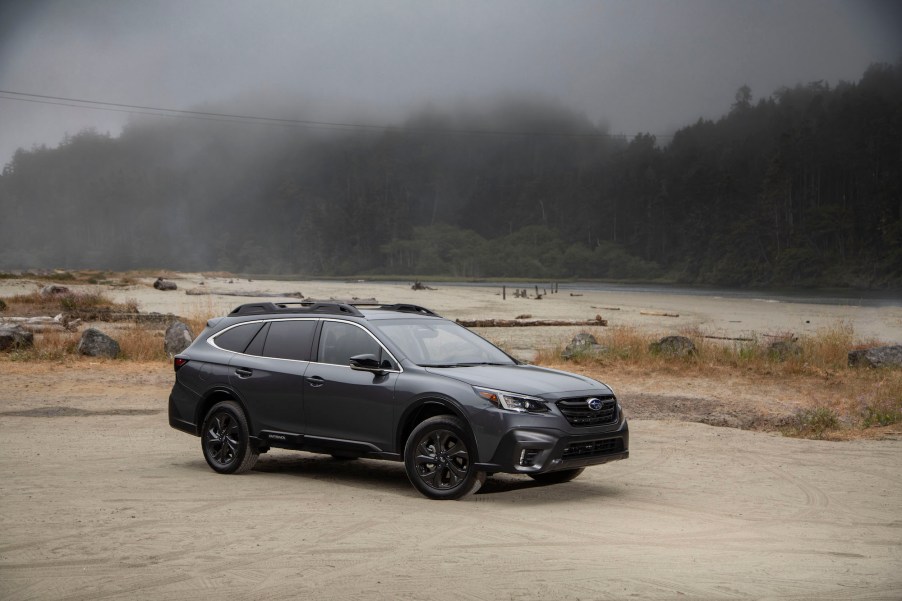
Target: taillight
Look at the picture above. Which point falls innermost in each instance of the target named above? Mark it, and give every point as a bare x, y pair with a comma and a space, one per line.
178, 362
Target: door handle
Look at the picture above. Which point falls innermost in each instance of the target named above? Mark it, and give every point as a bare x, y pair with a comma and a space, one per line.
244, 372
315, 381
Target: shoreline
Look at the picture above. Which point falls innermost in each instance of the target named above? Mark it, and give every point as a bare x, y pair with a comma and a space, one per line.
658, 311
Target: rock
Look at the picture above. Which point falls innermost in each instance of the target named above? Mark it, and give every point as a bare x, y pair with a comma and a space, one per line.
583, 344
177, 338
161, 284
95, 343
53, 290
881, 356
15, 337
677, 346
784, 349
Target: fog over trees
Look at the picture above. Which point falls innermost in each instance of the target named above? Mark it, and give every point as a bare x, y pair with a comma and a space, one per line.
802, 186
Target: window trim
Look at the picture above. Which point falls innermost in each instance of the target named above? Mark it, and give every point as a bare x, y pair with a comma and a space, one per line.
317, 333
212, 339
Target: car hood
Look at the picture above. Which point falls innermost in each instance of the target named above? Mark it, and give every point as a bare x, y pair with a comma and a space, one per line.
524, 379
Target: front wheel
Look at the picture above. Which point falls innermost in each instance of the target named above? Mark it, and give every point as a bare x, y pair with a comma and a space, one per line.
557, 477
439, 459
225, 441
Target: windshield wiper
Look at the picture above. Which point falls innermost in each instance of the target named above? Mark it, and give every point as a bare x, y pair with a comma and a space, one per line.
468, 364
474, 363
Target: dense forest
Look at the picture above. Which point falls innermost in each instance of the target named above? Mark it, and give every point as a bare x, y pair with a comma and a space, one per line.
802, 187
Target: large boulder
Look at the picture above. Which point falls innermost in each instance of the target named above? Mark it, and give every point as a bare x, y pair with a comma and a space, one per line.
15, 337
881, 356
95, 343
677, 346
582, 344
161, 284
177, 338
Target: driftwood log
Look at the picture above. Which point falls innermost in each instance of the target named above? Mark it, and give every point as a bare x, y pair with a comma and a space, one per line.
114, 316
205, 292
659, 314
40, 324
521, 323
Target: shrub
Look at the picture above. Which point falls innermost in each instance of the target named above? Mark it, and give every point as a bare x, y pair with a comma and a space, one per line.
814, 423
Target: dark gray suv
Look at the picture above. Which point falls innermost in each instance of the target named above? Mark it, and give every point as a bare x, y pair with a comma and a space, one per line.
391, 382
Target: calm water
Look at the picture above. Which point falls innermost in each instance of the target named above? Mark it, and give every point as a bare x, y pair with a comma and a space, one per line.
859, 298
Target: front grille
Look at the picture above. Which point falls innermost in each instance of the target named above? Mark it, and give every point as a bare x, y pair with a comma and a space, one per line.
578, 412
590, 448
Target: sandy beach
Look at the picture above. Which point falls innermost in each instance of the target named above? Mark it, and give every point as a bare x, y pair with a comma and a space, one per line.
101, 499
713, 315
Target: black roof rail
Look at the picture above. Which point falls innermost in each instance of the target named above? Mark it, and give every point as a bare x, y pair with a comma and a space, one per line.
405, 308
296, 307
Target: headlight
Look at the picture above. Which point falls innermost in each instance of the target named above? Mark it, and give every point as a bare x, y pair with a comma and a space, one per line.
512, 401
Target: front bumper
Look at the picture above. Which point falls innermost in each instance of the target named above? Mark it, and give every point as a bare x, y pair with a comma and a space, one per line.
529, 451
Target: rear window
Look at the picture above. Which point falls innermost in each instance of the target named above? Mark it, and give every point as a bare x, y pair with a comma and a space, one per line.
236, 339
290, 339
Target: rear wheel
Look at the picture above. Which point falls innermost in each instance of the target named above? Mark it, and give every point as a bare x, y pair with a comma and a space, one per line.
439, 459
225, 439
557, 477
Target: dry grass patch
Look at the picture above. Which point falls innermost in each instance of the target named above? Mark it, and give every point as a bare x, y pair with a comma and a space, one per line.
73, 302
812, 370
139, 343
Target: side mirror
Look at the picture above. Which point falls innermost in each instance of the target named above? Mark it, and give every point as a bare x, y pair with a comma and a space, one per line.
367, 363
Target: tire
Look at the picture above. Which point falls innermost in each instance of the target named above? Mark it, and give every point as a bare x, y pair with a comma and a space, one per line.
439, 457
224, 439
558, 477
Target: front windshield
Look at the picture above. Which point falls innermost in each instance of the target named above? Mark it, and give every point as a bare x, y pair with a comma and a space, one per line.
439, 343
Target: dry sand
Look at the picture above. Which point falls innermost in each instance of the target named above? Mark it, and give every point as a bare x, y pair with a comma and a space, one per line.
100, 499
717, 315
731, 317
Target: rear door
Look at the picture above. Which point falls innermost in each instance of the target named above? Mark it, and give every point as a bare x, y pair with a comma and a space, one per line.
269, 375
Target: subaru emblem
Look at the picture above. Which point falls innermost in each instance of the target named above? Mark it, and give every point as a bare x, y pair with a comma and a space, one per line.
594, 404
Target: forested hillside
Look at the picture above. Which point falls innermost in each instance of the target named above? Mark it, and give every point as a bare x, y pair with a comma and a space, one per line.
801, 187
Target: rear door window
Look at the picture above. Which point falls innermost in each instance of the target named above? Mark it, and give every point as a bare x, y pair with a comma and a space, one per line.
290, 339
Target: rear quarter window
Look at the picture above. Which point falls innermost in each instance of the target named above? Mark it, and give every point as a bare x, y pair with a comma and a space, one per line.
236, 339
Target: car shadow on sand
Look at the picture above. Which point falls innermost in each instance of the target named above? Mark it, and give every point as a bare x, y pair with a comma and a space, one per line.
390, 477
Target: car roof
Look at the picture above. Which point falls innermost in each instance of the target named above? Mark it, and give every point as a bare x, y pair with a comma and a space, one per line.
331, 307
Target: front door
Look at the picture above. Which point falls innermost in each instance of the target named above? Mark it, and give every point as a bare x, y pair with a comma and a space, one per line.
342, 404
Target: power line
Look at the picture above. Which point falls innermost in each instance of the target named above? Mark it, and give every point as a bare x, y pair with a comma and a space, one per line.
255, 119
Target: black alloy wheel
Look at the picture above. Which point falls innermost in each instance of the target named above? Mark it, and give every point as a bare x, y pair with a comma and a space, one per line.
439, 459
225, 442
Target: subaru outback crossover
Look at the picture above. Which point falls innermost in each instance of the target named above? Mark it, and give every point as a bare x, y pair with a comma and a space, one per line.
393, 382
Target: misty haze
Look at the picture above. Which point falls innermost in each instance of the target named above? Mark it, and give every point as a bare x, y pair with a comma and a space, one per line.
265, 236
480, 141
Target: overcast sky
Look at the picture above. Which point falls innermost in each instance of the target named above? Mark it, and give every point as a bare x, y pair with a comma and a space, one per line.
636, 65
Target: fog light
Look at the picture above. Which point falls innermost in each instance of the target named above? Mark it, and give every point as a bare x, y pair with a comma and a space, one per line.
528, 457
